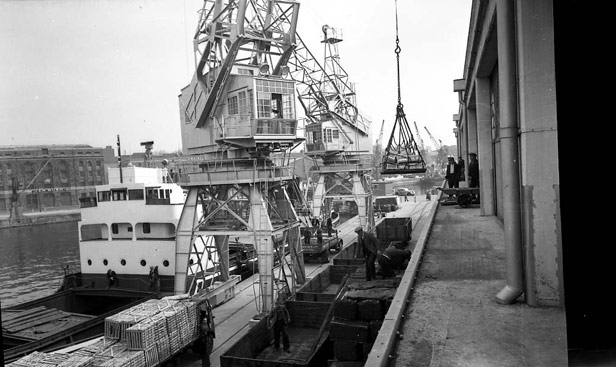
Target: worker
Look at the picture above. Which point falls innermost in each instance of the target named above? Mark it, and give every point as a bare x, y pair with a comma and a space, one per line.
369, 245
281, 319
112, 278
319, 236
154, 279
207, 333
307, 235
393, 258
329, 226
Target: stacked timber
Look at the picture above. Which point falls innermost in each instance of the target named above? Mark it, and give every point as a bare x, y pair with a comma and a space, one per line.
358, 316
142, 336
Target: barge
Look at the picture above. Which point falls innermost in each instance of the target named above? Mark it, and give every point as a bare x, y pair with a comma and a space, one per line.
127, 256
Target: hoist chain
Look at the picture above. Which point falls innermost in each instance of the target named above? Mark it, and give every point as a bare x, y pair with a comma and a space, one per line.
397, 51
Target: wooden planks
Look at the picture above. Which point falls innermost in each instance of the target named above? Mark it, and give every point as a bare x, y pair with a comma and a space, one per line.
16, 321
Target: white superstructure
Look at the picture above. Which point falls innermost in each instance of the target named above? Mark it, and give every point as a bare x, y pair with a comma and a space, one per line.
130, 226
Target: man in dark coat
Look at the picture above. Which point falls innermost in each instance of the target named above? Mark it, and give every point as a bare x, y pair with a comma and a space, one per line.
207, 334
307, 235
281, 320
329, 226
453, 173
369, 244
473, 171
392, 259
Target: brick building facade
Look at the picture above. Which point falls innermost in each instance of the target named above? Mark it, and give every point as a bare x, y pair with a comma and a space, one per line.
50, 177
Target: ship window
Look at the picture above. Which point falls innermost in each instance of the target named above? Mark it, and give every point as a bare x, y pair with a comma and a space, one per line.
114, 228
105, 262
118, 194
142, 262
104, 196
166, 263
123, 262
146, 227
135, 194
89, 262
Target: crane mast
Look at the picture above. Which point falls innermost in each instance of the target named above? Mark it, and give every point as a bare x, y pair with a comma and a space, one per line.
238, 109
338, 136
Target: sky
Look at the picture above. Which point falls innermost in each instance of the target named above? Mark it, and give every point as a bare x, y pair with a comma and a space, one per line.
85, 71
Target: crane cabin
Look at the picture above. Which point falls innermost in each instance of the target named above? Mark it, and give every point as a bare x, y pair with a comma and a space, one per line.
328, 136
255, 115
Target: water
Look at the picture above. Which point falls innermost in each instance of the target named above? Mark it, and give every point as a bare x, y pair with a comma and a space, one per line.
31, 260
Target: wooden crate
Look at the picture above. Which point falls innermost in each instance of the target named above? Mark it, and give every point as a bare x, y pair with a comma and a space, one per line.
136, 357
151, 356
164, 349
141, 336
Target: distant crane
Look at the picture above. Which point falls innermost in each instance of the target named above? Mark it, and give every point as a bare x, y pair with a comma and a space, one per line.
378, 152
15, 208
438, 145
422, 147
379, 141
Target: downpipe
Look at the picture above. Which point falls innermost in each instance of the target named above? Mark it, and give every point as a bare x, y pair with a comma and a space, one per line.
505, 18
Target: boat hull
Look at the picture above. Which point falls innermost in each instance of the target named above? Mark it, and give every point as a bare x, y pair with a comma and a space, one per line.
62, 319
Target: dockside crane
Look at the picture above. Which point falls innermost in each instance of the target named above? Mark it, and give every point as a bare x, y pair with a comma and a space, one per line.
238, 109
337, 133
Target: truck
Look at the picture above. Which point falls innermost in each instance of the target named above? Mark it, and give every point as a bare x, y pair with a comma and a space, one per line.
385, 204
319, 252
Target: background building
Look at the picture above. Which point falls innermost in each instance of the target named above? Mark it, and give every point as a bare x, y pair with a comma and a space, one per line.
50, 177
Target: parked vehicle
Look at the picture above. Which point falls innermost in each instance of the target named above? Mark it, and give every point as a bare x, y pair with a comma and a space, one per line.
403, 191
386, 203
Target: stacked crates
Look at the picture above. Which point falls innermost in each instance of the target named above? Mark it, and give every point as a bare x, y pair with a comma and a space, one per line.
141, 336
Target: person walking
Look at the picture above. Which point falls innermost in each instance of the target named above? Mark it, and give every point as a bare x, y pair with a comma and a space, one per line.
368, 243
281, 320
329, 226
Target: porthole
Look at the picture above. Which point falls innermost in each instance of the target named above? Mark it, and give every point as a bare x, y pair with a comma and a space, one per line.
105, 262
191, 261
143, 263
166, 263
123, 262
89, 262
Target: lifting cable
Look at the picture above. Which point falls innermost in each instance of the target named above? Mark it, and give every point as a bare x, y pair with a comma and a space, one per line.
401, 155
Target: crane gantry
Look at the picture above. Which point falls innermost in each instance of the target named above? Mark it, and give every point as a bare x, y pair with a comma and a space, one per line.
238, 109
337, 134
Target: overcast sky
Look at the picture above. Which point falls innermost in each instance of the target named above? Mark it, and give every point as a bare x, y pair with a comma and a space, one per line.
84, 71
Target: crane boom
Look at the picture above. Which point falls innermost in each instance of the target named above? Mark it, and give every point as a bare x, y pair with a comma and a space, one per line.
437, 145
421, 143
